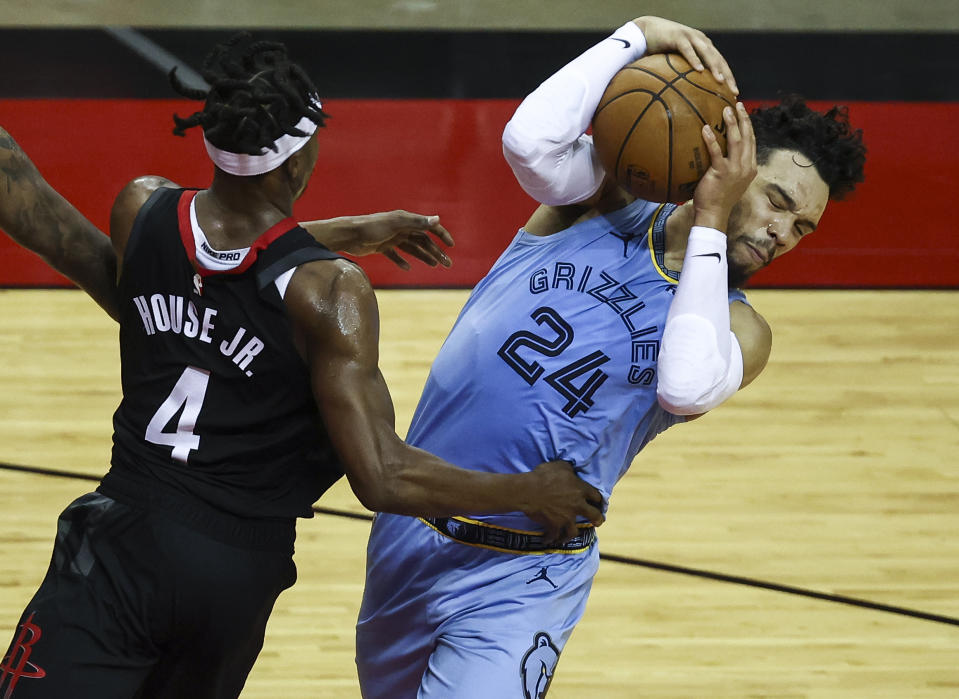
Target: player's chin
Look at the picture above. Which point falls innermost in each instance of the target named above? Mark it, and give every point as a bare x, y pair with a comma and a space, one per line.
739, 274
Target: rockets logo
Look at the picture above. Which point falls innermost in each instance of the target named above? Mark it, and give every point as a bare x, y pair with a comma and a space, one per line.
538, 666
17, 664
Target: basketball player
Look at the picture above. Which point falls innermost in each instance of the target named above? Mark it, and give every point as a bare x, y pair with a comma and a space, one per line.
250, 384
583, 343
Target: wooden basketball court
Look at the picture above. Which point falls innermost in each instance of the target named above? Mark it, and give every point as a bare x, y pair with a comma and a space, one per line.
834, 474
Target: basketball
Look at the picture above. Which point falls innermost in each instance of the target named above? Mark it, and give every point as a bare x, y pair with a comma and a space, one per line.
648, 127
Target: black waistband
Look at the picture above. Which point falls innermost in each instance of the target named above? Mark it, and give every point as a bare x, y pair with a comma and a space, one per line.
482, 534
270, 534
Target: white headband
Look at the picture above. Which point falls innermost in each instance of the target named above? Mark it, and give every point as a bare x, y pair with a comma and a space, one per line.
268, 159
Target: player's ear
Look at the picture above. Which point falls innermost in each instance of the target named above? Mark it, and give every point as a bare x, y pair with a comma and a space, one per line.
293, 166
295, 173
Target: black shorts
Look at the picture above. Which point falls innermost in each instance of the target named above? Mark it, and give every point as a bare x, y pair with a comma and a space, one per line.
138, 604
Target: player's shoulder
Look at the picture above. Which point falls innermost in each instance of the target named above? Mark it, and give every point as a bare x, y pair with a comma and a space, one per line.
320, 284
127, 206
742, 313
331, 302
754, 336
137, 191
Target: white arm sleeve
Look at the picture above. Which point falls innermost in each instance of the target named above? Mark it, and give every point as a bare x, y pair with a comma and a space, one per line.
700, 362
545, 142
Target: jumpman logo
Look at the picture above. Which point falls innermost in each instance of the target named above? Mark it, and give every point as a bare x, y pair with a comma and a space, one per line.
16, 665
541, 575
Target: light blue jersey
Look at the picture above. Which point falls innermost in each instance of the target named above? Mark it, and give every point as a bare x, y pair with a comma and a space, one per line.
554, 355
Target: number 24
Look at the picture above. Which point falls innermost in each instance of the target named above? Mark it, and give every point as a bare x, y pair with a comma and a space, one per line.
579, 398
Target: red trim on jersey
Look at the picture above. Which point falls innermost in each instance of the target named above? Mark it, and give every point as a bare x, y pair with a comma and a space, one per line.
186, 235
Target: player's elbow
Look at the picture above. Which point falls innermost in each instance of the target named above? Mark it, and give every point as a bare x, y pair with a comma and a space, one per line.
695, 375
375, 497
389, 492
680, 400
518, 148
690, 386
547, 175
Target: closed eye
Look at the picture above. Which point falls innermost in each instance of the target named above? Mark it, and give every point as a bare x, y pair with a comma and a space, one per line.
783, 202
779, 199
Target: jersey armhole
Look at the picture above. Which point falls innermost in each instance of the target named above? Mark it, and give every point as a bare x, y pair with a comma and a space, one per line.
138, 222
283, 281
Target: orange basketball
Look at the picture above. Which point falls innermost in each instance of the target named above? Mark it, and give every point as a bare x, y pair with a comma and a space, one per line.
648, 126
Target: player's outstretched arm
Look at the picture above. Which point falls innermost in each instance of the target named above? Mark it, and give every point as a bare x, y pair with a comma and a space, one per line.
387, 233
545, 142
35, 216
336, 321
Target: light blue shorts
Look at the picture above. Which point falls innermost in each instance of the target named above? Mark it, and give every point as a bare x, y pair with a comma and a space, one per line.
446, 620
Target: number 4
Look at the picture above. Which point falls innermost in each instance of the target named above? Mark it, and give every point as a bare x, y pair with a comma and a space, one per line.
189, 393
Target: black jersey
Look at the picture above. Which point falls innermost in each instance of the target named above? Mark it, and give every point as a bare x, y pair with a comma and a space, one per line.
217, 402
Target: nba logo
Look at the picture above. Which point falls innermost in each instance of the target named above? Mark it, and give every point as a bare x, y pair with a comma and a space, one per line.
538, 666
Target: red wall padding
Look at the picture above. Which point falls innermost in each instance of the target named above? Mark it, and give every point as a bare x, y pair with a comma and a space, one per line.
443, 156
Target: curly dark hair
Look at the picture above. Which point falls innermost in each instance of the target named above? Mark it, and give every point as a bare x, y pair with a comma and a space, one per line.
827, 139
256, 95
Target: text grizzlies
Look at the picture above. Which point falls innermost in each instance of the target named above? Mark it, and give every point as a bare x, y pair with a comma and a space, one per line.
620, 298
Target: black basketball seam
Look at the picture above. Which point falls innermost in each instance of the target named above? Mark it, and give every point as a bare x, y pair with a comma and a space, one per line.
690, 104
622, 145
623, 94
714, 93
654, 98
682, 75
668, 84
641, 70
669, 170
671, 84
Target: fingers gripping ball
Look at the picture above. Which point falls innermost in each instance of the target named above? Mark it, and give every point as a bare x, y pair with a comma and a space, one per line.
648, 127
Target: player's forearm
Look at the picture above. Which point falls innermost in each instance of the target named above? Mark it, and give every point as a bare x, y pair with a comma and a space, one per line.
335, 233
700, 363
544, 143
91, 263
421, 484
561, 108
36, 217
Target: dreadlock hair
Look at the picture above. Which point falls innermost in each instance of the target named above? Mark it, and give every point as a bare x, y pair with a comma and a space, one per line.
826, 139
257, 94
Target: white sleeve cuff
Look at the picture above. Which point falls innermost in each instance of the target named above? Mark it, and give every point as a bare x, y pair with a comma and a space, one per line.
703, 284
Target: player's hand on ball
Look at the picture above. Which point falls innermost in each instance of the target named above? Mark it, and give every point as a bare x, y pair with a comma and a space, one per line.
557, 497
665, 36
392, 232
728, 176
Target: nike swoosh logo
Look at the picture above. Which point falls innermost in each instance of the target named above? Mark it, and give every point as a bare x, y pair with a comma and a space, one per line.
626, 44
711, 254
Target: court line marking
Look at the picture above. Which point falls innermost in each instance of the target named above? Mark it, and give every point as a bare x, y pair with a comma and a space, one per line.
614, 558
